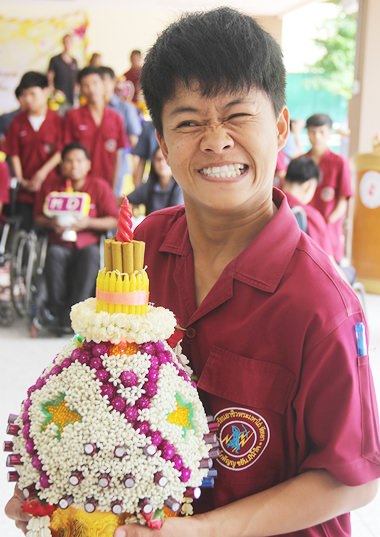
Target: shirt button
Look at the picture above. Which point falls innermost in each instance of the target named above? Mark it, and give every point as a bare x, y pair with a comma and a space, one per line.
191, 333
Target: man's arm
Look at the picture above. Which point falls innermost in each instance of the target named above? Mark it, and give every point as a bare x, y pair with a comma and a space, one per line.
340, 210
102, 223
302, 502
51, 77
17, 168
41, 174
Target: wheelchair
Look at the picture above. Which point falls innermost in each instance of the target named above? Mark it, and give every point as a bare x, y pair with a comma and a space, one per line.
7, 312
28, 285
27, 262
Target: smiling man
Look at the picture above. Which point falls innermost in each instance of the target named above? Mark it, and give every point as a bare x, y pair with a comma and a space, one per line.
269, 326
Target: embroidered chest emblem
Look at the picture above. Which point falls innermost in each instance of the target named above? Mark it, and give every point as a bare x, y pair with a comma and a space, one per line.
243, 437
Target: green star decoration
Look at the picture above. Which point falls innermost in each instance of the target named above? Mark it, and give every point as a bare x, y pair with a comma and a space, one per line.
57, 412
183, 415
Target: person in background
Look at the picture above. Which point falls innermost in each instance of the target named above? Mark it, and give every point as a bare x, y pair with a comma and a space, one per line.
96, 126
293, 147
131, 121
134, 72
160, 190
96, 60
71, 267
33, 143
63, 70
5, 179
143, 151
335, 188
301, 181
126, 110
7, 118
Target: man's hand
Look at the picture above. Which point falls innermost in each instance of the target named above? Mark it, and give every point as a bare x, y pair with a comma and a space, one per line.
172, 527
81, 224
13, 510
36, 181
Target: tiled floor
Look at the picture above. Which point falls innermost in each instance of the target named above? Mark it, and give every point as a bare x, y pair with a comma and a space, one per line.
22, 359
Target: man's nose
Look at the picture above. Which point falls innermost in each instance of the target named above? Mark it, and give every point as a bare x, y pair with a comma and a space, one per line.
216, 139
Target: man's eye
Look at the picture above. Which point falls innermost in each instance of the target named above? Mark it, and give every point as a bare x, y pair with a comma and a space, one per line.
238, 118
185, 124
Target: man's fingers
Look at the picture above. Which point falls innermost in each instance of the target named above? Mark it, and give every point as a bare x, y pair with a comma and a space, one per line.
21, 526
13, 510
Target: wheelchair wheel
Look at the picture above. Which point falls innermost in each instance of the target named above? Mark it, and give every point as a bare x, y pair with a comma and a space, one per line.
7, 315
22, 267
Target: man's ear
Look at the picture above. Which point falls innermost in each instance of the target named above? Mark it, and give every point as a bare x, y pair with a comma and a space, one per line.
282, 127
163, 146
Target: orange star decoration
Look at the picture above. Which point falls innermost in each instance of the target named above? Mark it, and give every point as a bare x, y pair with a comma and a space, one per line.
182, 415
57, 412
124, 348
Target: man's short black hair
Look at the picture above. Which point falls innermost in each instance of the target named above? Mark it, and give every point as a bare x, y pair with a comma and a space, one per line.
71, 147
105, 70
86, 71
135, 52
33, 79
301, 170
18, 92
319, 120
223, 50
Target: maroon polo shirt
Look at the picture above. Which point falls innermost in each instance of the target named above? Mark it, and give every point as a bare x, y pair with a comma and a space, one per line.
316, 225
4, 182
273, 346
103, 203
34, 148
335, 183
102, 141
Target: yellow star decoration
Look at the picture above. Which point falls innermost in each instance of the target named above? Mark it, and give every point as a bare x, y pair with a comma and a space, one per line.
182, 415
57, 412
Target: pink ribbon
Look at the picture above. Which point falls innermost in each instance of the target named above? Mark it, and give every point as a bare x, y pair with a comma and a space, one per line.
134, 298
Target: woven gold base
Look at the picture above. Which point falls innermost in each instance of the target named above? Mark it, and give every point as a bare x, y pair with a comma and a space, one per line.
73, 522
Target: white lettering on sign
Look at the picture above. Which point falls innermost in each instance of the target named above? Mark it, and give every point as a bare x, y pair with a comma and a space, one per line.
64, 203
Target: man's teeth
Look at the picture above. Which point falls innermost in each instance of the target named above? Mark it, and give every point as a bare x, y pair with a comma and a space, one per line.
230, 170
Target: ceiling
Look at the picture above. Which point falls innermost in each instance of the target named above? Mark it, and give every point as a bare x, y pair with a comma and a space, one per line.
257, 7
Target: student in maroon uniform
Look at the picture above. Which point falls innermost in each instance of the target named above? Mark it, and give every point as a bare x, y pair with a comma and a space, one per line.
33, 143
134, 72
97, 127
4, 183
269, 326
335, 188
301, 181
71, 267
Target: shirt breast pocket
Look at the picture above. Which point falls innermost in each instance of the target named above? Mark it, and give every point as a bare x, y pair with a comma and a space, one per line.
248, 382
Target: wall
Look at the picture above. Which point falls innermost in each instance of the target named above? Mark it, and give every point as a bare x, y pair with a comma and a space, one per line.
114, 31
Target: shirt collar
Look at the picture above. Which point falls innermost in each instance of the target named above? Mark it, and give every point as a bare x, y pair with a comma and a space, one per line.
263, 263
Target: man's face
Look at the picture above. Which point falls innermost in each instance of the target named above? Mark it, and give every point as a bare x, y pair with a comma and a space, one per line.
34, 100
109, 86
136, 60
92, 87
223, 150
319, 137
75, 165
67, 43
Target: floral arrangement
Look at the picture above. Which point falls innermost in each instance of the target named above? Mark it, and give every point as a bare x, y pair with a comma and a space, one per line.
113, 430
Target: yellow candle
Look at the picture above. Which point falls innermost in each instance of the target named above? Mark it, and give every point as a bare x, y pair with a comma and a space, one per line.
132, 288
118, 289
139, 287
125, 290
99, 287
112, 289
